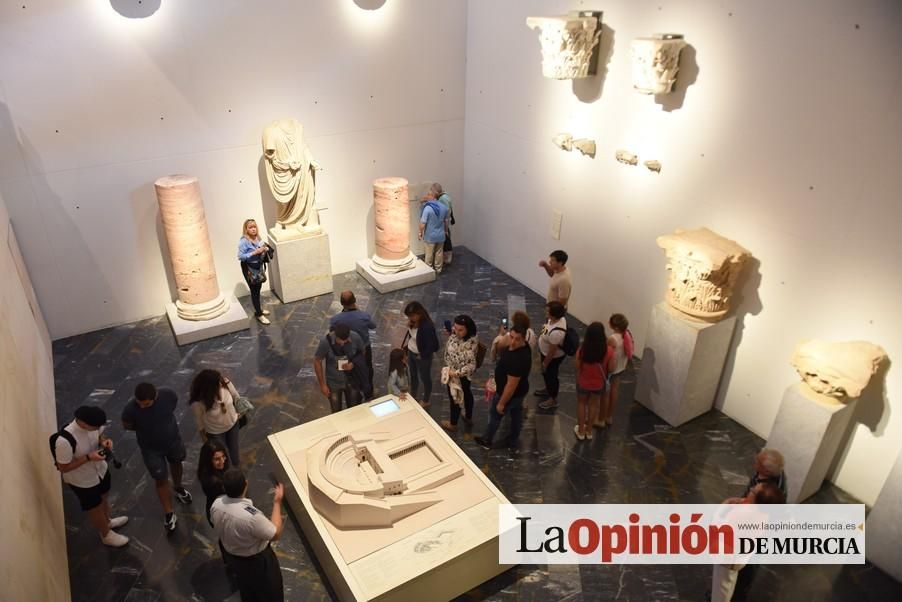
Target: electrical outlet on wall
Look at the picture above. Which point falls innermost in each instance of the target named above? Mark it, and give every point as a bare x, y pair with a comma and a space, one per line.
556, 218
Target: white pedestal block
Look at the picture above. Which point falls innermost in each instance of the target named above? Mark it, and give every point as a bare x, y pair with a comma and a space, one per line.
386, 283
190, 331
681, 364
436, 553
884, 526
808, 430
301, 268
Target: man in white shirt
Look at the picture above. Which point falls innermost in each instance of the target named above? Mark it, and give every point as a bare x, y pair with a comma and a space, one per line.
245, 533
79, 457
551, 352
560, 286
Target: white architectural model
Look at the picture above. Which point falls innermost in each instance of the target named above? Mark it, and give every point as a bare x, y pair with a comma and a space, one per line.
656, 60
566, 142
626, 157
182, 214
291, 172
370, 479
703, 268
568, 43
839, 370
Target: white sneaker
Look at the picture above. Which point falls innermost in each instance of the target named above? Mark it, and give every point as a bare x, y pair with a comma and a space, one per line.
118, 521
263, 320
114, 539
265, 312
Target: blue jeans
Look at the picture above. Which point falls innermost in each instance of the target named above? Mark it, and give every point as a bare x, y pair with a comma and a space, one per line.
514, 409
420, 368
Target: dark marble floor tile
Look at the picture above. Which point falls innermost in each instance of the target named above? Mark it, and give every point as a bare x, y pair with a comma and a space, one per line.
639, 459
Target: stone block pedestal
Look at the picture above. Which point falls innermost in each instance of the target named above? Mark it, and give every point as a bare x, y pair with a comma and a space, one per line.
301, 268
808, 430
884, 526
682, 364
386, 283
192, 331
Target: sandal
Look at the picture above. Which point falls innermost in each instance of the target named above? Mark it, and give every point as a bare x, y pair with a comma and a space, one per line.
576, 432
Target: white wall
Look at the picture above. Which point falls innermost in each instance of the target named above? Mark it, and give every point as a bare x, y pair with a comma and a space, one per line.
787, 139
95, 106
33, 562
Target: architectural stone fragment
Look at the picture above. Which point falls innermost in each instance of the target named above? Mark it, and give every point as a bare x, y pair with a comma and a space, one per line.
291, 172
703, 268
182, 214
568, 43
392, 209
653, 165
626, 157
586, 146
563, 141
656, 60
840, 370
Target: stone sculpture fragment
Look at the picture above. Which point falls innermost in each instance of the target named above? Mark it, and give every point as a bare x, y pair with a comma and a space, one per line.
291, 173
838, 369
656, 61
568, 43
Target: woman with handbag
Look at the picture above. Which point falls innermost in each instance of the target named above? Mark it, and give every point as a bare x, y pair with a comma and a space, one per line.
254, 254
460, 363
421, 343
213, 403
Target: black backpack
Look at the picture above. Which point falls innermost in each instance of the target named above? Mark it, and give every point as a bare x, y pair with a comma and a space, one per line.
65, 435
571, 340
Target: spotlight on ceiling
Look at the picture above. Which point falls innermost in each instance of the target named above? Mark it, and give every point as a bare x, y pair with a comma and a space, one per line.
135, 9
369, 4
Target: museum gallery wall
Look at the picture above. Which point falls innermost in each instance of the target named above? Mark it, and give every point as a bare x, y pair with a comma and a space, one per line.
96, 106
764, 140
34, 567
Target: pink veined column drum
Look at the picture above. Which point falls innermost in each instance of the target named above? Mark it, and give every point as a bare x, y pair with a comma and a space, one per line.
392, 226
182, 213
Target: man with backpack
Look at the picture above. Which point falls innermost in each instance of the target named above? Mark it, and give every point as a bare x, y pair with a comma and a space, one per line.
555, 344
78, 450
433, 228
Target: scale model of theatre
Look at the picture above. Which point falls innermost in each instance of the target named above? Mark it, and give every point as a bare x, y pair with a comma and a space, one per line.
392, 507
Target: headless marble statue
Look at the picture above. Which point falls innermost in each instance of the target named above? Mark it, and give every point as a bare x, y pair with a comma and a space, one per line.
291, 172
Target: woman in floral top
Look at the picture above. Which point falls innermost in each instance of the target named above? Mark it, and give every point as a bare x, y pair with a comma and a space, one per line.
460, 359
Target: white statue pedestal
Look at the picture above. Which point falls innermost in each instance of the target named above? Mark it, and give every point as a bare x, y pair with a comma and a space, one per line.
884, 526
420, 273
301, 268
192, 331
808, 430
681, 364
437, 553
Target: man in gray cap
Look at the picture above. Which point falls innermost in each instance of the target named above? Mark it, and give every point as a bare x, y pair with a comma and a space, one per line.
79, 451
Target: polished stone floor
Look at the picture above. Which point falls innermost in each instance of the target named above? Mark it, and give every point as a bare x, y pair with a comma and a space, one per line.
638, 460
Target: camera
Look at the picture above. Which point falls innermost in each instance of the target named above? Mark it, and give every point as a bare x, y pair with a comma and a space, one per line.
504, 322
108, 455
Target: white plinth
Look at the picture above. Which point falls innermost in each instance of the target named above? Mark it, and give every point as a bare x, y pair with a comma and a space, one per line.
386, 283
191, 331
808, 430
884, 526
301, 268
682, 364
437, 553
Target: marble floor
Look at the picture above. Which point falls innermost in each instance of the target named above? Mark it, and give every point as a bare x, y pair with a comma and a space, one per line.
638, 460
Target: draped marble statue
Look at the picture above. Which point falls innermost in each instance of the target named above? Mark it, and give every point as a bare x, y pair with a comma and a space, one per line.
291, 172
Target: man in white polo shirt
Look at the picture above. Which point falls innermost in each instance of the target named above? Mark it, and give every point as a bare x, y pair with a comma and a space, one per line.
245, 533
78, 456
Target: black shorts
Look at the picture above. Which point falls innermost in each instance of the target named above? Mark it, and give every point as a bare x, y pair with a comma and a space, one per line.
91, 497
157, 463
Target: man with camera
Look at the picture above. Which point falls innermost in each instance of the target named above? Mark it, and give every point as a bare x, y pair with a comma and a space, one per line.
80, 450
151, 414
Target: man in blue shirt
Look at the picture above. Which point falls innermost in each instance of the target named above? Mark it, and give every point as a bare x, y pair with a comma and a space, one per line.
433, 227
358, 321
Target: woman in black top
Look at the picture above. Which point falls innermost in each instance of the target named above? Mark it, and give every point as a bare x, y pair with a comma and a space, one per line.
421, 343
212, 464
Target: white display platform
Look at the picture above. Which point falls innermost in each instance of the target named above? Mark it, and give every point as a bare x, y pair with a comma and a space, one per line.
386, 283
301, 268
437, 553
884, 525
808, 430
682, 363
190, 331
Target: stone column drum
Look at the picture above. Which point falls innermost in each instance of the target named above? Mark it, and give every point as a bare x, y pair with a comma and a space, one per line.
392, 208
182, 213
